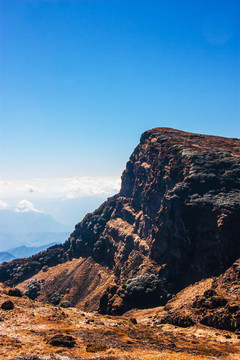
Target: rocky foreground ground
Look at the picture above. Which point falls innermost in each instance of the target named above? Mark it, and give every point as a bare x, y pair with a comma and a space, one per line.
31, 330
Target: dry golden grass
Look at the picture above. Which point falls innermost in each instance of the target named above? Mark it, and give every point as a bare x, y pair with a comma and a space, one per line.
73, 274
26, 329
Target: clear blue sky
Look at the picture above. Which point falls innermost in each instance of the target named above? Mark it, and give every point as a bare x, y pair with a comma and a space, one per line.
81, 80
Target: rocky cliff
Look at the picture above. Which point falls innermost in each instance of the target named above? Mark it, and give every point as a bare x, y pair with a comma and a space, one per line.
213, 302
174, 222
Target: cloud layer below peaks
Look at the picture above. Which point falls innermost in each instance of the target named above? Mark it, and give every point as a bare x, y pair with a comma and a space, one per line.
58, 188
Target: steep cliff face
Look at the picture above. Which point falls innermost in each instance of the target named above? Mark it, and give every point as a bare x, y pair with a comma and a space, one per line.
174, 222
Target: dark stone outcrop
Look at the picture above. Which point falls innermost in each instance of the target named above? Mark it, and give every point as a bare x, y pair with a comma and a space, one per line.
33, 289
15, 292
178, 319
65, 304
174, 222
62, 340
224, 310
7, 305
218, 307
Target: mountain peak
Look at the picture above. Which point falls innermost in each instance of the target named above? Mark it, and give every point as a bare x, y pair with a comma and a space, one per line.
174, 222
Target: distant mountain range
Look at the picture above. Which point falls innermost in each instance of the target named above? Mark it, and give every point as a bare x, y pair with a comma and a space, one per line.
30, 221
22, 252
29, 229
6, 256
32, 239
25, 251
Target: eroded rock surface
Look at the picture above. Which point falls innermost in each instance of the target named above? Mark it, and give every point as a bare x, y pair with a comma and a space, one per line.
213, 302
174, 222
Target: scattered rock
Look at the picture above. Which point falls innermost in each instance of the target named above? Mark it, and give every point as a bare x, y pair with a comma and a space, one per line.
32, 289
209, 293
7, 305
65, 304
62, 340
55, 298
15, 292
209, 302
178, 319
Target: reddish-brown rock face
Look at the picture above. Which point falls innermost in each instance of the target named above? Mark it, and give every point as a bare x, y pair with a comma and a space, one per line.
174, 222
213, 302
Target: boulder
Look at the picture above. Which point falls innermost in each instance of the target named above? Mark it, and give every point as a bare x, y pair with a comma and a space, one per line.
62, 340
7, 305
15, 292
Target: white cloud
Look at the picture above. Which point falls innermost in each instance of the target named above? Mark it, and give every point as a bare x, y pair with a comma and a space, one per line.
89, 186
26, 206
60, 188
3, 205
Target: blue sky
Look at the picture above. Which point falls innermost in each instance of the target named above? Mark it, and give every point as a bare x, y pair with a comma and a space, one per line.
81, 80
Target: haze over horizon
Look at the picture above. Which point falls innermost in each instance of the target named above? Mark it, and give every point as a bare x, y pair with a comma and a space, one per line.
66, 199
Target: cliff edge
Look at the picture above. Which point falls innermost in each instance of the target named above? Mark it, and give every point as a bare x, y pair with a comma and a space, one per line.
175, 221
